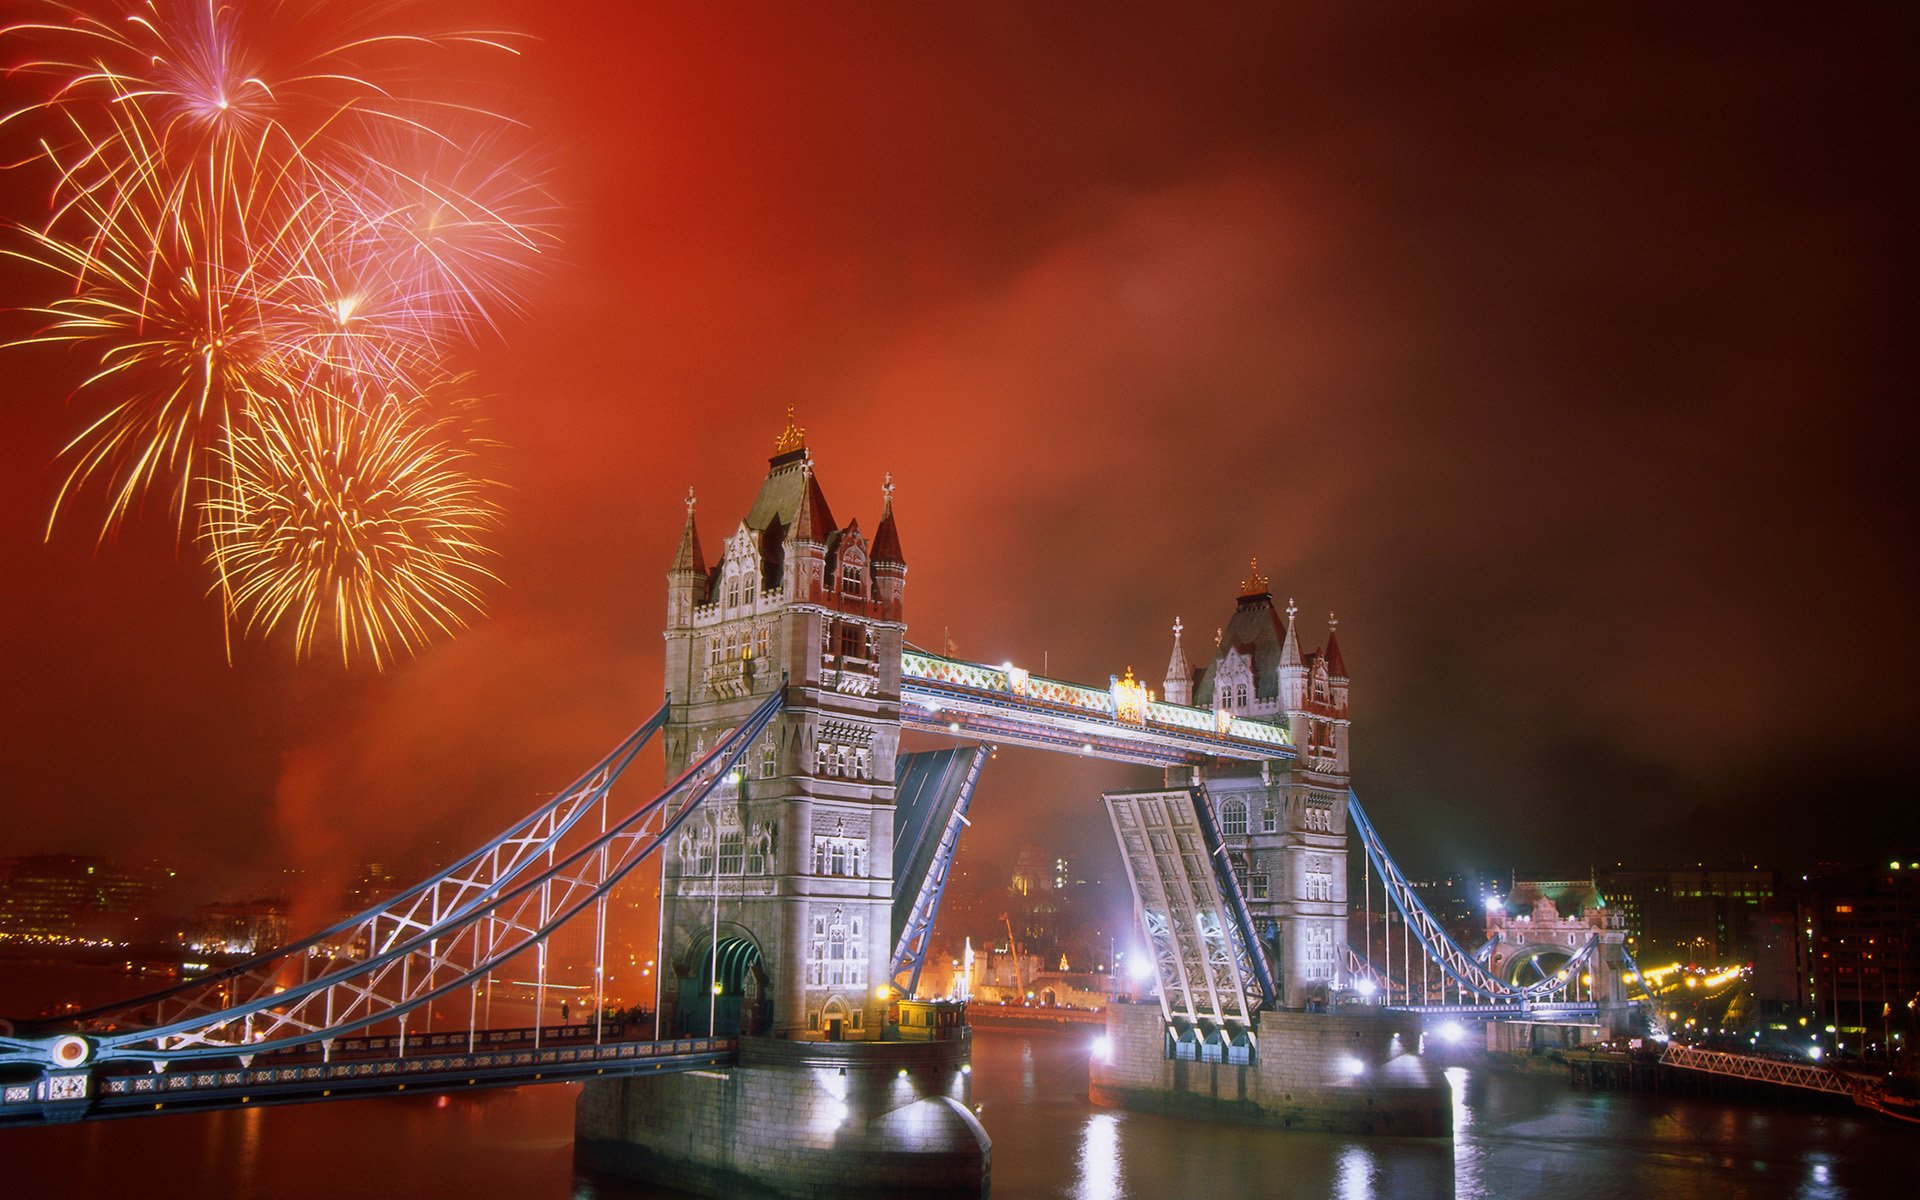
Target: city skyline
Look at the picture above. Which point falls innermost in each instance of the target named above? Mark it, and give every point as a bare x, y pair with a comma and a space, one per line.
1581, 412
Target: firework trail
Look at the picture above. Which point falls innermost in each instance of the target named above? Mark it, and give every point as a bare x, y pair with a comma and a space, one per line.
357, 524
260, 247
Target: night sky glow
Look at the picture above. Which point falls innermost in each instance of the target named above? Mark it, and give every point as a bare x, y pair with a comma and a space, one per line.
1561, 351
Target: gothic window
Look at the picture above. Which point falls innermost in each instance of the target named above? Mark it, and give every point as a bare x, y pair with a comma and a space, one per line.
1319, 885
1257, 886
703, 861
1233, 818
837, 859
852, 640
732, 853
733, 591
713, 652
863, 764
1240, 695
733, 646
766, 642
1269, 818
850, 581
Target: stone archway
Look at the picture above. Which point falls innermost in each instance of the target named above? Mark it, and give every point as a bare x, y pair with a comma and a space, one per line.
726, 990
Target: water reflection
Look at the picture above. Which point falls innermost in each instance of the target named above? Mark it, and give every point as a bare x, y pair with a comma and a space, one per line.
1100, 1158
1356, 1175
1525, 1135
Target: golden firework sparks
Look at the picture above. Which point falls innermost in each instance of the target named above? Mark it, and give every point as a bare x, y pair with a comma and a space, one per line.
360, 527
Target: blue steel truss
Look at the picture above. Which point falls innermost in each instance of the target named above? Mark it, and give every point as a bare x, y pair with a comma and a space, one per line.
1247, 941
1463, 968
452, 892
930, 808
444, 935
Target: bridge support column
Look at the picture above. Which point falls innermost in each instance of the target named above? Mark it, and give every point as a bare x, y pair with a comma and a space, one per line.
1331, 1072
843, 1119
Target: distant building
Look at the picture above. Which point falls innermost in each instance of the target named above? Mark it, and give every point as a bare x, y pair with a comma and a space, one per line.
1448, 898
64, 898
1704, 915
238, 926
1861, 949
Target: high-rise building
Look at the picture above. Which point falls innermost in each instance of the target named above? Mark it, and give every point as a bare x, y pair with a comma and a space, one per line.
1861, 949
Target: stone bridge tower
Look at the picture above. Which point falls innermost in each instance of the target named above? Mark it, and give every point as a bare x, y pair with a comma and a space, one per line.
1285, 826
790, 859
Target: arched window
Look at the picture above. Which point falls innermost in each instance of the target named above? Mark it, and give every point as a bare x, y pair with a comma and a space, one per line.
765, 641
850, 579
732, 853
1240, 695
1233, 818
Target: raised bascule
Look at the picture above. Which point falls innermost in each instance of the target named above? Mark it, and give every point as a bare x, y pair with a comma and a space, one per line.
803, 855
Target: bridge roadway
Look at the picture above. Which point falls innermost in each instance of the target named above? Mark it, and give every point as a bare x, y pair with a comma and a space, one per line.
1121, 723
361, 1066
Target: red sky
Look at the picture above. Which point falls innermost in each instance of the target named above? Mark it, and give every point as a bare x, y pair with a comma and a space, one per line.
1565, 353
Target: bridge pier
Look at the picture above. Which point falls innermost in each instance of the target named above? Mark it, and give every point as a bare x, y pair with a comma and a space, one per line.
848, 1120
1329, 1072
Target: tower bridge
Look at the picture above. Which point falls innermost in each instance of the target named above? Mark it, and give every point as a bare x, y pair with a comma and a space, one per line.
803, 857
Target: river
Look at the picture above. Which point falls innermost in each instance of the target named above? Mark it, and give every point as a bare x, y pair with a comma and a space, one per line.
1516, 1135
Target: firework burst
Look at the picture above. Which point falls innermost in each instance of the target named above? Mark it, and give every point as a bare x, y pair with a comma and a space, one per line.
361, 527
259, 246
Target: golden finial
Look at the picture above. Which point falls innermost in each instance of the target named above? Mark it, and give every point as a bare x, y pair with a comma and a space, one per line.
1257, 583
791, 438
690, 502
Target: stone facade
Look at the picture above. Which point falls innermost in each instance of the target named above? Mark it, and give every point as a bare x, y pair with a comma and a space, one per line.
1342, 1073
1285, 825
796, 1119
790, 860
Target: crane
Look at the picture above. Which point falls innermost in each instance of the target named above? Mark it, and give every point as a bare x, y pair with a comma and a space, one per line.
1013, 944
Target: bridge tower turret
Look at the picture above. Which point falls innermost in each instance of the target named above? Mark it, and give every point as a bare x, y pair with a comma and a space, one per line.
1285, 825
787, 868
1178, 685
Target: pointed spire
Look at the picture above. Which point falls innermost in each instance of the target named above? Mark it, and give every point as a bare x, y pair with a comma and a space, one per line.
1178, 685
1336, 665
688, 559
886, 539
810, 518
1290, 646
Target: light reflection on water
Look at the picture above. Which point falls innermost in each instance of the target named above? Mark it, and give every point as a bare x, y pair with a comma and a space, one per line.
1100, 1159
1517, 1135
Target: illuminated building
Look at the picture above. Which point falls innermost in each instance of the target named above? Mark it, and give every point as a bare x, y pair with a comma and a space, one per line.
1861, 960
1285, 825
787, 869
1693, 914
56, 898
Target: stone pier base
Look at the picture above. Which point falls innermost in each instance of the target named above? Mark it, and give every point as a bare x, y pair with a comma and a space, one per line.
796, 1119
1340, 1073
